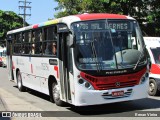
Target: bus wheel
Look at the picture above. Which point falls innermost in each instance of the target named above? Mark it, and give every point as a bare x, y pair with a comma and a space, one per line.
56, 94
153, 90
19, 82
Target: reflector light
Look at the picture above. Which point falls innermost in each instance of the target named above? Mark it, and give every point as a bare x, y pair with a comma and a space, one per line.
78, 76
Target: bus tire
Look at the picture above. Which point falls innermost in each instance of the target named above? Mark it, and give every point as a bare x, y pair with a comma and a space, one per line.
153, 89
19, 82
55, 94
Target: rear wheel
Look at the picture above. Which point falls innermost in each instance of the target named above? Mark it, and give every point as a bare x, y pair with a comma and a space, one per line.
153, 90
19, 82
55, 94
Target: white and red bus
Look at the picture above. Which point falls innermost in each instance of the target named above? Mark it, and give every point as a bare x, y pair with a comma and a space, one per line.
82, 59
153, 47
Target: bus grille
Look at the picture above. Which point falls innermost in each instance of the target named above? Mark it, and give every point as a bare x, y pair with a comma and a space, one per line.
114, 86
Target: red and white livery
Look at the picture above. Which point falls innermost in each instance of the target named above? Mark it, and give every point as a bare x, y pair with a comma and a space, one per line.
82, 59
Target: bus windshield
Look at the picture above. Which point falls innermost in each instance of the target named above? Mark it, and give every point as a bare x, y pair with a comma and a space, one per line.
156, 54
107, 44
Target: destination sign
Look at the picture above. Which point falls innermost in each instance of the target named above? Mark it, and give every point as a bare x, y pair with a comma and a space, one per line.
99, 25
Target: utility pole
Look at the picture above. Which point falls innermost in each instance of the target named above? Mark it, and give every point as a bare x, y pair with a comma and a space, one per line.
24, 5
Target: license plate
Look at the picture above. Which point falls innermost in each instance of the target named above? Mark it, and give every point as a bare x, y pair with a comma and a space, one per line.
117, 93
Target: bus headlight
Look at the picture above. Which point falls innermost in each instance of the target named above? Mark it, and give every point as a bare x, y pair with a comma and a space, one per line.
85, 83
144, 78
80, 81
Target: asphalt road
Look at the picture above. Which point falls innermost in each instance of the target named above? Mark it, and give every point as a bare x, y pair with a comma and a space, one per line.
13, 100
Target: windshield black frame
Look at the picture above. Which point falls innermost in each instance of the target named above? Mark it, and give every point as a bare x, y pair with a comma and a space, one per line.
119, 59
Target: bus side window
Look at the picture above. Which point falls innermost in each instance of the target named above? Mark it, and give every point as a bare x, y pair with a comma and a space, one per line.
33, 37
38, 41
50, 33
50, 42
19, 38
30, 37
23, 43
26, 44
17, 43
32, 42
33, 49
40, 36
55, 33
54, 48
26, 37
51, 48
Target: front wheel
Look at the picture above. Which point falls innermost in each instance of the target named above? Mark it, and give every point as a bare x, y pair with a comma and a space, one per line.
153, 89
55, 94
19, 82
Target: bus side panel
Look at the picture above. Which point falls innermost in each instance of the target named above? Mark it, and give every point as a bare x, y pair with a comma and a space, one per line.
35, 72
24, 65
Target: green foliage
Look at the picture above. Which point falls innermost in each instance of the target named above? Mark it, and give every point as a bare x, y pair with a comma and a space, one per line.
128, 7
61, 14
8, 21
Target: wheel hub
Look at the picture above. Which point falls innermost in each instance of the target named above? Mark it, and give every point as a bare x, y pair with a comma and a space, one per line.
19, 81
152, 87
56, 94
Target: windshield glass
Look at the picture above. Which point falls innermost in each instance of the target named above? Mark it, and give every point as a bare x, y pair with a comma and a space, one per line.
156, 54
107, 44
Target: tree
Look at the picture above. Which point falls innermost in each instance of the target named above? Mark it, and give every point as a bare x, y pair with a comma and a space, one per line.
153, 18
70, 7
145, 11
8, 21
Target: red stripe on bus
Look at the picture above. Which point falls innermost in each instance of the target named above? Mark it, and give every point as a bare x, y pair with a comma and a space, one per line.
56, 69
109, 82
100, 16
35, 26
13, 66
31, 68
155, 69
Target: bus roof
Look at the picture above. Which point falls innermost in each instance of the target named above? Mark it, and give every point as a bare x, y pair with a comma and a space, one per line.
72, 18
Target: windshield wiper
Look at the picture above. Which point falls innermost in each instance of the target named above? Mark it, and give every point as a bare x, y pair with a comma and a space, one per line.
95, 56
112, 43
140, 57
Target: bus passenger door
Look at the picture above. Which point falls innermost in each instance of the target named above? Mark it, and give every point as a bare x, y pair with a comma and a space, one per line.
64, 66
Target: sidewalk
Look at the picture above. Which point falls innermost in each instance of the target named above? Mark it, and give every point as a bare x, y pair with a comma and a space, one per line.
8, 102
2, 105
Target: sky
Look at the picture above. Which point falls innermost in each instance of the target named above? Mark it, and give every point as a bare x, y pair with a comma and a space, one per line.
41, 10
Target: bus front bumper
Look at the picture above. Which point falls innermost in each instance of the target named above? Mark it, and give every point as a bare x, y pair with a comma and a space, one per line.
95, 97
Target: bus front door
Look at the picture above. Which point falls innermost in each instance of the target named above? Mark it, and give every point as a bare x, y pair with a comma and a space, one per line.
64, 66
